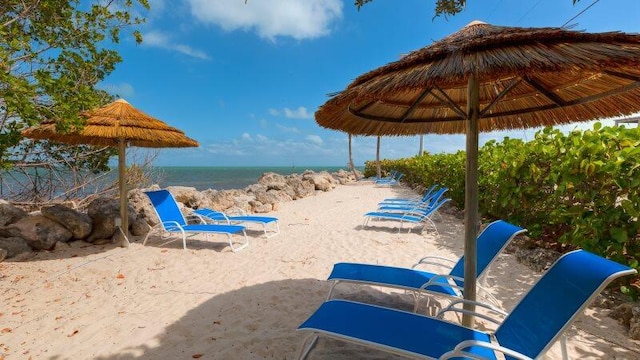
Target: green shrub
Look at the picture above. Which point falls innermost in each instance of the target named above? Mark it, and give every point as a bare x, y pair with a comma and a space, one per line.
580, 189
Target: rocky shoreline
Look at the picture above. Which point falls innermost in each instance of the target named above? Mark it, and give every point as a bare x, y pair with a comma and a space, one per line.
58, 225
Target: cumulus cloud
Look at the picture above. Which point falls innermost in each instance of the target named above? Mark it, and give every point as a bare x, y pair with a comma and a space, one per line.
299, 113
298, 19
274, 112
287, 129
164, 41
315, 139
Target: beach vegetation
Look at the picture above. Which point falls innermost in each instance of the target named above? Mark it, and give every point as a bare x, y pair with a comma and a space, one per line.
443, 7
53, 54
579, 189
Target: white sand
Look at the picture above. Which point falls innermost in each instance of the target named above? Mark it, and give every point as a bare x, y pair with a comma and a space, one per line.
106, 302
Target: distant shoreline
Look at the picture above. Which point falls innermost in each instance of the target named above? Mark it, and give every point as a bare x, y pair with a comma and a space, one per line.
226, 177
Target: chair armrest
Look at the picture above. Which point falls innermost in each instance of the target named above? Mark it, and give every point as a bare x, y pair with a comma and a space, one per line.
459, 351
435, 260
235, 211
495, 311
171, 225
215, 214
199, 219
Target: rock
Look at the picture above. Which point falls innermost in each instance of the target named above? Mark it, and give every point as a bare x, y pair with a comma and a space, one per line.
634, 324
225, 199
61, 246
322, 181
623, 314
103, 212
301, 188
189, 196
258, 207
14, 246
40, 232
628, 315
271, 197
140, 227
142, 206
78, 223
10, 214
273, 181
537, 259
79, 244
3, 254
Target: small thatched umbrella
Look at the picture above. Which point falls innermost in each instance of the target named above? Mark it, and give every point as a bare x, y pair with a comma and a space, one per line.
116, 125
485, 78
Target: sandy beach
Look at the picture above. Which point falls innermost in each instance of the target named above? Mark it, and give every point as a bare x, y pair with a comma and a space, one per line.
162, 302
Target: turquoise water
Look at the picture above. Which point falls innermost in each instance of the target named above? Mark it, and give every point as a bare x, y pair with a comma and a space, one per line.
220, 178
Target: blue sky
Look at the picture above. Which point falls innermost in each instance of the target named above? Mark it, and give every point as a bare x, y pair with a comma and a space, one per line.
244, 80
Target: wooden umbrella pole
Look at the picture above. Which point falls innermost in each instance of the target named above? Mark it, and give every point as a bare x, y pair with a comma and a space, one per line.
471, 198
122, 173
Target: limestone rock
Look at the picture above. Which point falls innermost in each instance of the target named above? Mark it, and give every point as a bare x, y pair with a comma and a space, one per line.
103, 212
140, 227
13, 246
322, 181
3, 254
628, 315
10, 214
78, 223
142, 206
40, 232
273, 181
189, 196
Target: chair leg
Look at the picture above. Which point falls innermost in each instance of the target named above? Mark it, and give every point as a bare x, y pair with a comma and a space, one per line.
236, 249
306, 349
335, 282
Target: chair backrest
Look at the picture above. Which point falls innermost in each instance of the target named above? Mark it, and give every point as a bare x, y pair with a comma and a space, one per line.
555, 300
491, 241
428, 192
166, 207
435, 197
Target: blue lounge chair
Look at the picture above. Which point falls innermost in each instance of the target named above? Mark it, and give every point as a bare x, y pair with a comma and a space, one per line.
218, 216
531, 328
415, 216
393, 180
491, 241
406, 201
172, 221
408, 207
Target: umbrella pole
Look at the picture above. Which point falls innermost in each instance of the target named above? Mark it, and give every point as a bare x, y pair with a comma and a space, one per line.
122, 182
471, 198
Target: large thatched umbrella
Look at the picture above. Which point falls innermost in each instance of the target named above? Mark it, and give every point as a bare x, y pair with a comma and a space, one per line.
485, 78
117, 124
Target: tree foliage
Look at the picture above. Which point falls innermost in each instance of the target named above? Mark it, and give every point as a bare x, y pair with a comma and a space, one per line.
53, 53
580, 189
443, 7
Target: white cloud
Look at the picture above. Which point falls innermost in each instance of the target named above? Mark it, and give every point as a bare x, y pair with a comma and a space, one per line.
314, 139
299, 19
274, 112
287, 129
164, 41
246, 137
299, 113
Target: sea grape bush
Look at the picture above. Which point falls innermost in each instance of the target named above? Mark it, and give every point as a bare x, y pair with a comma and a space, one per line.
580, 189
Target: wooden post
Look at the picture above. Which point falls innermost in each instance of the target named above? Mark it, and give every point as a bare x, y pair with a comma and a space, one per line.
378, 169
122, 182
471, 198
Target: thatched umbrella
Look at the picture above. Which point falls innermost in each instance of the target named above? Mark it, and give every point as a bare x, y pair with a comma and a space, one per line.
485, 78
117, 124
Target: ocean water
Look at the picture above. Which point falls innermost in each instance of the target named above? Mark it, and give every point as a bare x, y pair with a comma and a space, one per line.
221, 178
